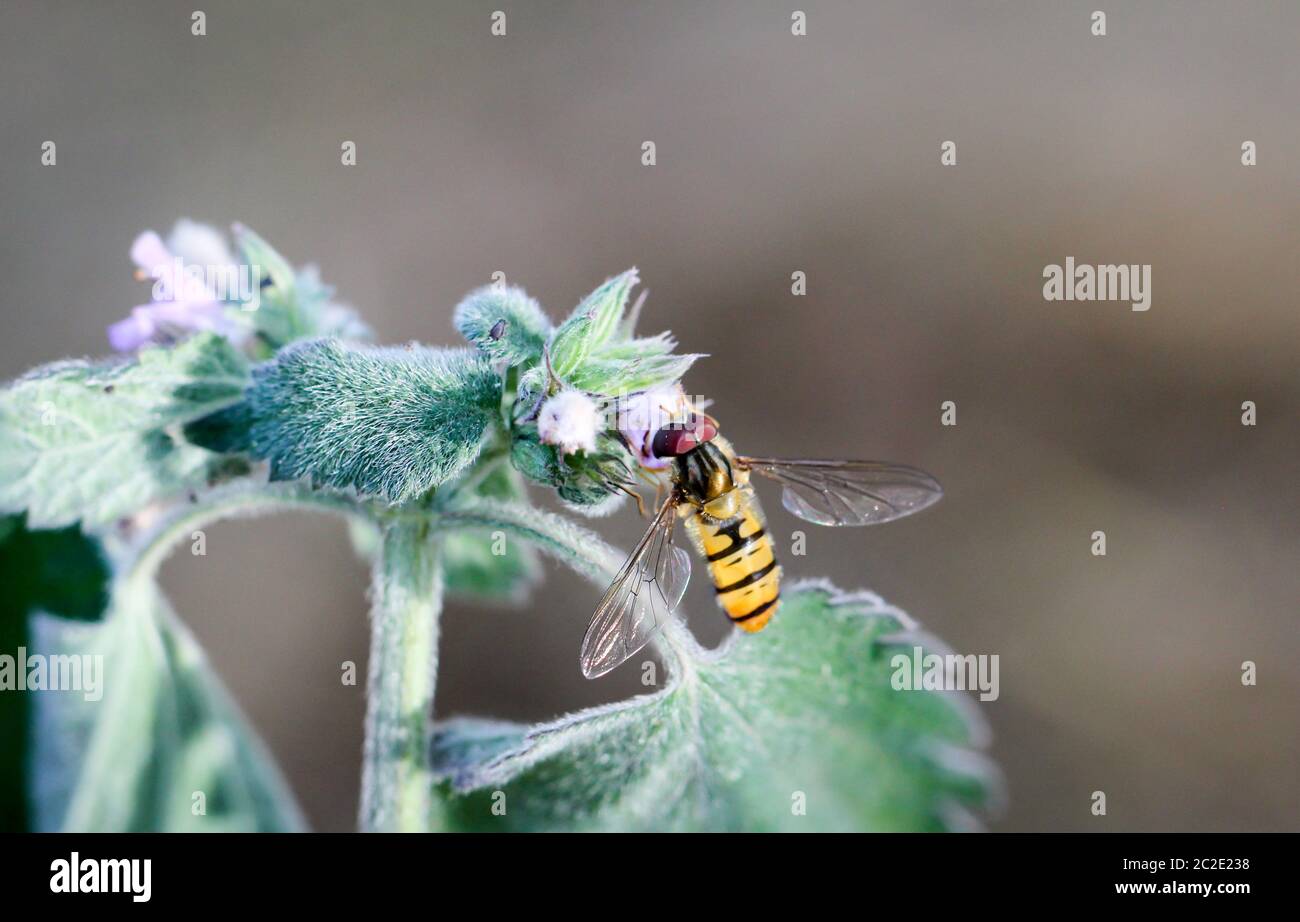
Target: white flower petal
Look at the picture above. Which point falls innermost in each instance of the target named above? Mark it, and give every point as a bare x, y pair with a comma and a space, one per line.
201, 244
570, 421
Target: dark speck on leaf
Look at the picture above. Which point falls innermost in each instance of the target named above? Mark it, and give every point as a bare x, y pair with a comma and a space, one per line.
498, 330
108, 388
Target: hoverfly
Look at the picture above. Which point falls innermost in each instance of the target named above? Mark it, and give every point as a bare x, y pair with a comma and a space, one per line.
709, 488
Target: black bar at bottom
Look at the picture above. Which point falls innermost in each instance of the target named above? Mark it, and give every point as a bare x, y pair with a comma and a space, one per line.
608, 874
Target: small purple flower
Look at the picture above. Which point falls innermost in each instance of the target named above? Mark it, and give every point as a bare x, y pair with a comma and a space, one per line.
183, 301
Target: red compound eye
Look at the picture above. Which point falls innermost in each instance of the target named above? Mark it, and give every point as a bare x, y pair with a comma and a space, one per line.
679, 438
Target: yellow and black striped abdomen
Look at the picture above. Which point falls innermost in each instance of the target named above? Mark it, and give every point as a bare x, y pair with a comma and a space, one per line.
742, 563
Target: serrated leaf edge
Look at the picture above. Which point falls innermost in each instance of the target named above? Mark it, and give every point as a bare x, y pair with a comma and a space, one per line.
967, 760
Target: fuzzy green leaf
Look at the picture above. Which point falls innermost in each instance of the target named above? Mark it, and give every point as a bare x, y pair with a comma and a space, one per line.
570, 345
394, 422
530, 390
802, 714
636, 348
592, 324
504, 323
91, 441
164, 729
293, 305
626, 366
254, 251
618, 377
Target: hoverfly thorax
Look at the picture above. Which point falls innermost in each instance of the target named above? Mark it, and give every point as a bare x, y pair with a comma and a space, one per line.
706, 478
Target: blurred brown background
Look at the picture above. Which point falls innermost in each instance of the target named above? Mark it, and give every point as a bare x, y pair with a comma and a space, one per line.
775, 154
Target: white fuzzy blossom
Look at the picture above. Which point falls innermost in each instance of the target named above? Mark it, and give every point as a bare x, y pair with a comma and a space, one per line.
569, 421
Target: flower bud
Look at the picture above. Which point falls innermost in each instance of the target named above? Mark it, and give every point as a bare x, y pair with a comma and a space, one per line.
569, 421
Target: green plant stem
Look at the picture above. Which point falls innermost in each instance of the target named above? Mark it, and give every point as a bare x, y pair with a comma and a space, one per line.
407, 599
578, 548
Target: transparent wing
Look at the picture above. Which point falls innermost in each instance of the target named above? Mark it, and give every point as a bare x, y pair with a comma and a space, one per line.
849, 492
641, 598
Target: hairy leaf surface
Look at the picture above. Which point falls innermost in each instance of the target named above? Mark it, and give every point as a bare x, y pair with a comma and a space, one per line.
394, 422
293, 305
164, 729
504, 323
592, 324
94, 441
794, 728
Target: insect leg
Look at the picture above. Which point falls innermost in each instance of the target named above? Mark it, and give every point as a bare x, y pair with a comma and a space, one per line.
624, 488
